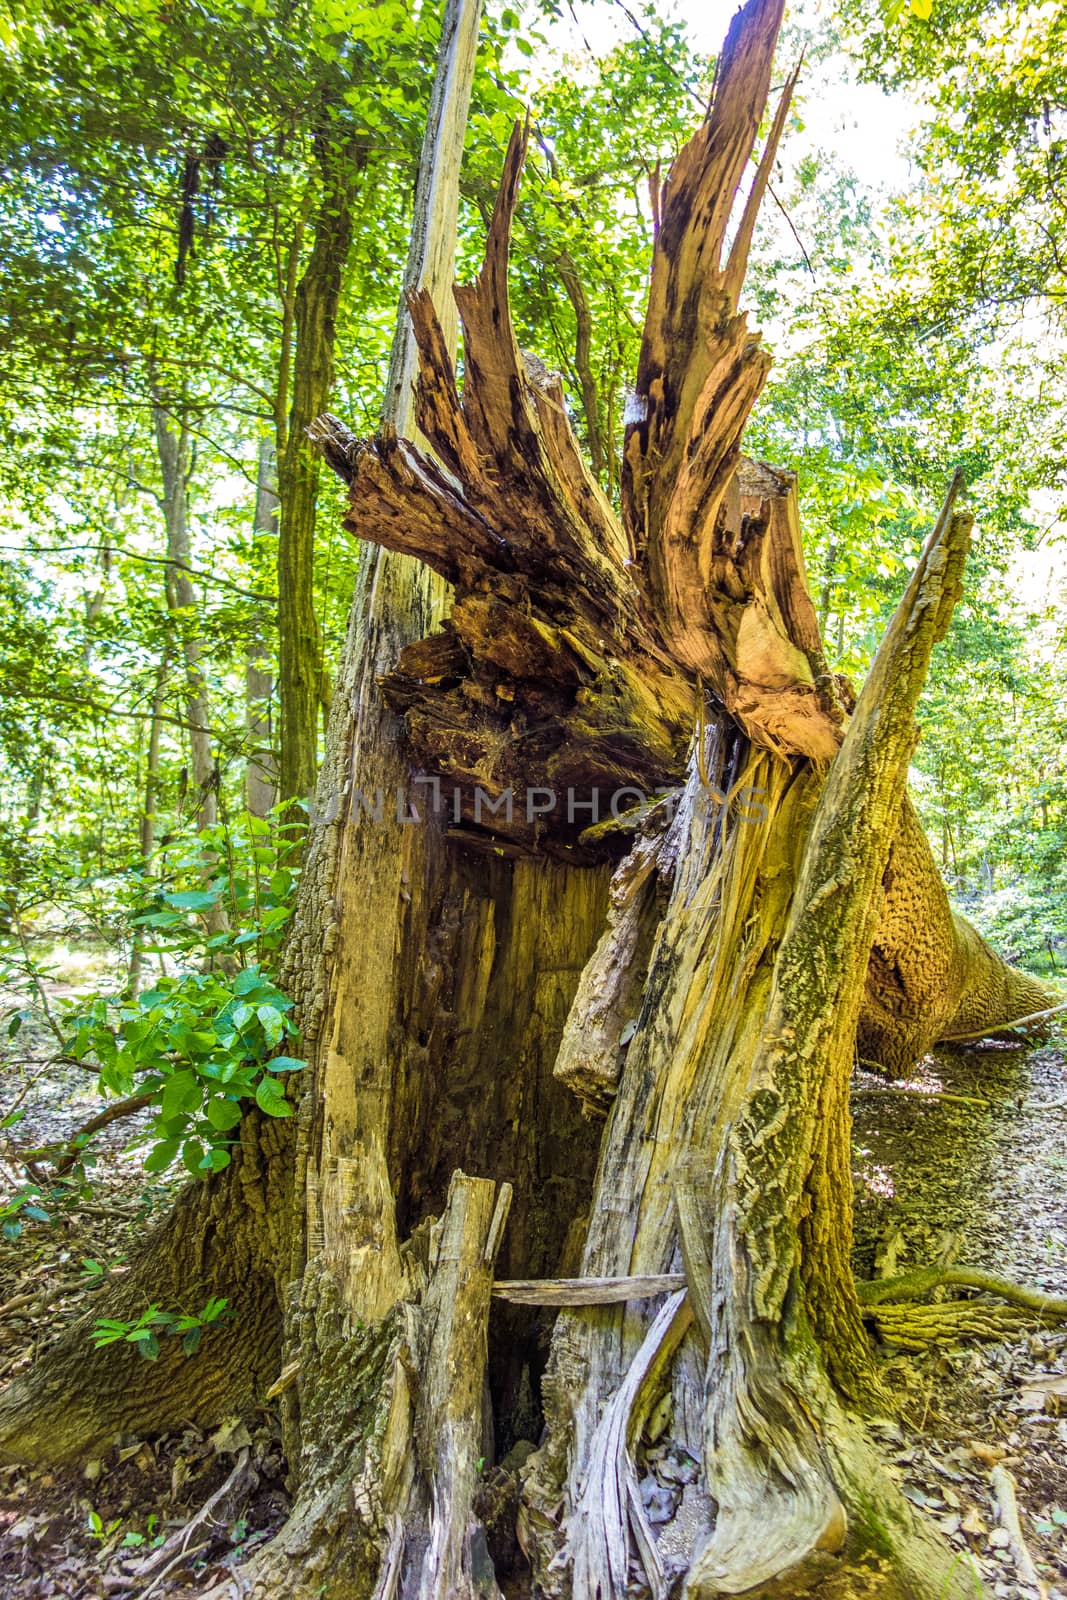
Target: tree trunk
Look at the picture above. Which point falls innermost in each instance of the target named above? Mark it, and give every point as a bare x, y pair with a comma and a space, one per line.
261, 763
226, 1238
146, 830
485, 966
317, 296
172, 441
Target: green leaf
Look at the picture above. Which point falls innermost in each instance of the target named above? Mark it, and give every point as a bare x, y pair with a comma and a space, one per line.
285, 1064
272, 1023
223, 1114
182, 1093
192, 899
161, 1155
193, 1157
270, 1097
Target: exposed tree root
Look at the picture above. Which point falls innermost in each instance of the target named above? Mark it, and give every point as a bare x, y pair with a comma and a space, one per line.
1003, 1485
908, 1285
917, 1327
223, 1238
890, 1305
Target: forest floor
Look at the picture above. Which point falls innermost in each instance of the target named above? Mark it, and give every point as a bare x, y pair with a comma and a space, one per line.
979, 1180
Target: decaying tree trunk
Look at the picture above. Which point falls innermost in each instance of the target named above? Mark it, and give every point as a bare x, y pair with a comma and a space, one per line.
606, 887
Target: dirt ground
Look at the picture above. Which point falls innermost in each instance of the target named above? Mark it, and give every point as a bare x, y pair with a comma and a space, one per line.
979, 1179
983, 1185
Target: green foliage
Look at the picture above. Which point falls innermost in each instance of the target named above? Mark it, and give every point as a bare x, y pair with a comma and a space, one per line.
144, 1332
1026, 921
203, 1044
23, 1204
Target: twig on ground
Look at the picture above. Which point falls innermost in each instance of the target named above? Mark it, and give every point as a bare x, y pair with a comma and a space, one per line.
182, 1555
1003, 1485
241, 1481
919, 1094
1017, 1022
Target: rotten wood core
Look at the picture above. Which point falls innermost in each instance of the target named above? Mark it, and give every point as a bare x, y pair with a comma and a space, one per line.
589, 650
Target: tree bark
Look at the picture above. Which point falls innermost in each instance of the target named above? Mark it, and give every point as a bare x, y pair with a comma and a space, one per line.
261, 763
318, 293
227, 1238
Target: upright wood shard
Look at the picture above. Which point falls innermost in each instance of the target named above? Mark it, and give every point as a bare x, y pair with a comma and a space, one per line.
451, 1423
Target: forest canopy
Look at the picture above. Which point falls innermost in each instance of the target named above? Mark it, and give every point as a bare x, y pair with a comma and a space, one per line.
159, 252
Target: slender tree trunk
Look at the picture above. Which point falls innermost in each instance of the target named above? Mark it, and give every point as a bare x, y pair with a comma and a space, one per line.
173, 444
300, 666
146, 827
583, 365
261, 767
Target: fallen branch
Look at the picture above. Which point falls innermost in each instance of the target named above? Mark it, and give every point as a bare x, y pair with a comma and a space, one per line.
1002, 1027
182, 1556
585, 1291
220, 1509
1003, 1485
103, 1119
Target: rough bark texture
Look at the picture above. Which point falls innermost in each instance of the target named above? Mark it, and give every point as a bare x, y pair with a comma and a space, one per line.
564, 664
227, 1238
